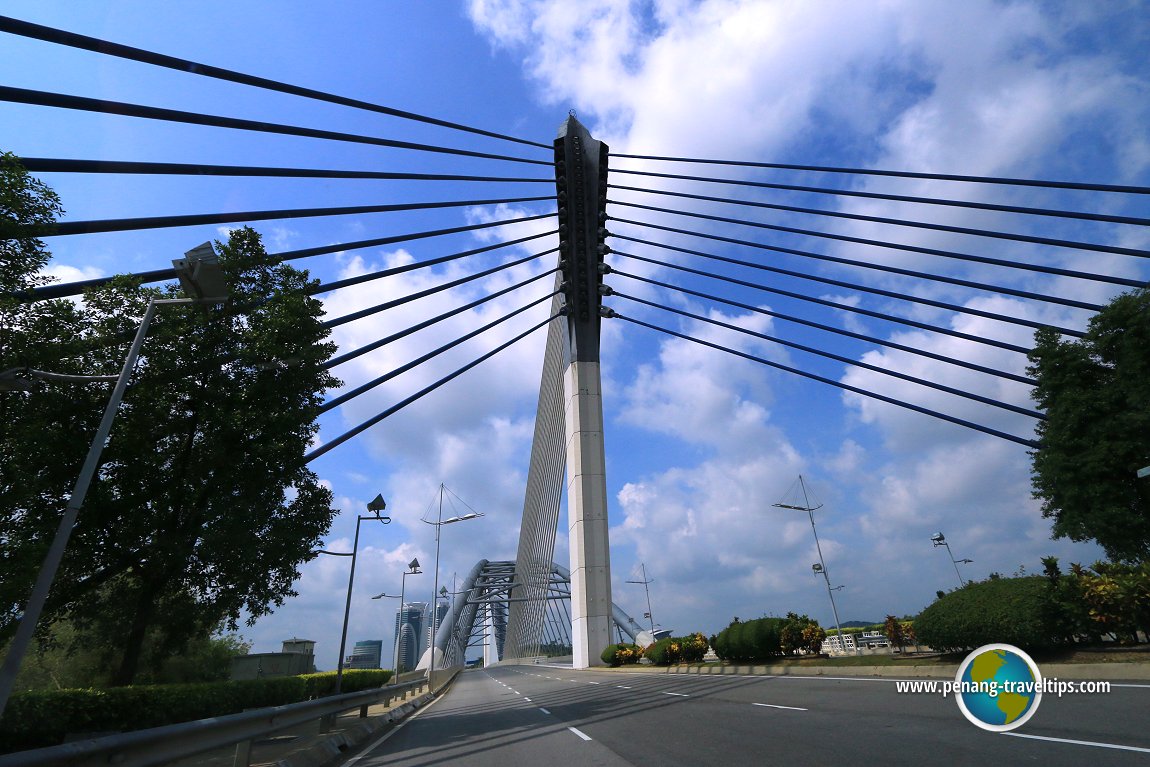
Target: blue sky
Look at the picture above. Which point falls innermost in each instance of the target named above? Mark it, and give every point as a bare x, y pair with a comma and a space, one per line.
700, 445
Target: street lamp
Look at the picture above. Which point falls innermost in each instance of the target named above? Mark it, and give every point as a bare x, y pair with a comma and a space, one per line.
645, 581
819, 568
201, 276
412, 569
940, 540
376, 506
440, 522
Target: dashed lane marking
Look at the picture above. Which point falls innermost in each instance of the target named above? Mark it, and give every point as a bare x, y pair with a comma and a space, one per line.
580, 734
1080, 742
772, 705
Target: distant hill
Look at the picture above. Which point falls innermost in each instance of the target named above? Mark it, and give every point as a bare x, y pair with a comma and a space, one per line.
859, 624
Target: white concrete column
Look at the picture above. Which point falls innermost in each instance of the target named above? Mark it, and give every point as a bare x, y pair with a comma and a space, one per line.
490, 649
587, 515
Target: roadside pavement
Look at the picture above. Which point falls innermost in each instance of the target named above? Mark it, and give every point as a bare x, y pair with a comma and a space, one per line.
307, 746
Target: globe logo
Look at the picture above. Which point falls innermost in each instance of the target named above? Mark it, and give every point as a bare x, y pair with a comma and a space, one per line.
998, 687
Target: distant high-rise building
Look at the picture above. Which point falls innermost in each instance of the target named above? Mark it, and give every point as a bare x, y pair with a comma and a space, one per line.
440, 613
410, 634
366, 654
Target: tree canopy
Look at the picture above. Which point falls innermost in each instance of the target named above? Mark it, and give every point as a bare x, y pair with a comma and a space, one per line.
1096, 394
202, 509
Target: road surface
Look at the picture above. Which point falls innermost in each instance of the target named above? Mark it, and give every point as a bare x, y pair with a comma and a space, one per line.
540, 715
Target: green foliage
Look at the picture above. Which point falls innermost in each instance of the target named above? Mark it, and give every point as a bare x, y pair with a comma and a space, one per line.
1116, 597
39, 719
1066, 608
801, 633
24, 202
621, 654
1009, 610
42, 718
671, 650
894, 631
62, 659
1096, 394
355, 679
204, 510
757, 639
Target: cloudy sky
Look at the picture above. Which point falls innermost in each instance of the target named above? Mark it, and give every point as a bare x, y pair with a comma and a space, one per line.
700, 444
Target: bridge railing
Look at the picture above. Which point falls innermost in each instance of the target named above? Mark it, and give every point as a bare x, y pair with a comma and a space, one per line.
160, 745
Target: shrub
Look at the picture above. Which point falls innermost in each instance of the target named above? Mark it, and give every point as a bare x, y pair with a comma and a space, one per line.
750, 640
694, 647
1008, 610
323, 683
800, 632
670, 650
664, 652
621, 654
42, 718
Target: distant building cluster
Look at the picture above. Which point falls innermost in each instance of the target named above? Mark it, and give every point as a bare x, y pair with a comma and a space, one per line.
413, 629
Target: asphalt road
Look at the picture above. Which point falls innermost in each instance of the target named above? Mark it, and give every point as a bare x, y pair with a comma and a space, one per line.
540, 715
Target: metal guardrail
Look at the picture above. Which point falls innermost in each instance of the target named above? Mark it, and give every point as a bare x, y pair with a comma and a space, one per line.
159, 745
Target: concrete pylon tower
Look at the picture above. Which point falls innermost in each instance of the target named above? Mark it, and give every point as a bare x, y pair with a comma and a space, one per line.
581, 186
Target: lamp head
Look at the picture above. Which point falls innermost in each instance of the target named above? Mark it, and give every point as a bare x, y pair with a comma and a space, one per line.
938, 538
413, 566
200, 273
377, 504
817, 568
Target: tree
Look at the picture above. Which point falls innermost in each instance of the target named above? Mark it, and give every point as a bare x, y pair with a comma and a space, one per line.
895, 632
1096, 394
801, 633
202, 508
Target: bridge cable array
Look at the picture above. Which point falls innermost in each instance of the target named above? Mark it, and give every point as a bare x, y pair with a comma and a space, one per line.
109, 48
789, 266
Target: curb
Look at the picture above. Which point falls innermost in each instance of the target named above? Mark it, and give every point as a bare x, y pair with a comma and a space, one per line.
339, 744
1112, 672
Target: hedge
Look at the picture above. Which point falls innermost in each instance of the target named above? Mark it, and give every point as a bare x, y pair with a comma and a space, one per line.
621, 654
750, 640
1008, 610
38, 719
670, 650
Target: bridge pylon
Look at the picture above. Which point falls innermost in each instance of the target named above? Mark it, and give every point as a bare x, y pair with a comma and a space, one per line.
581, 186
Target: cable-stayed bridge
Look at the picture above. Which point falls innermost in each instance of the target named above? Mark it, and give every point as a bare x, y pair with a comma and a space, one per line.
643, 240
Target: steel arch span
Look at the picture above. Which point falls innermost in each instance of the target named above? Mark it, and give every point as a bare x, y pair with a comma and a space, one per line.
478, 617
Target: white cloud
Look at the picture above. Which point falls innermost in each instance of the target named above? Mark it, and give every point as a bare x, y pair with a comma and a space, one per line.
978, 87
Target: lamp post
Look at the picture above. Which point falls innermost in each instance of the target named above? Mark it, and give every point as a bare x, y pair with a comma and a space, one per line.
940, 540
821, 567
440, 522
200, 275
645, 581
376, 506
412, 569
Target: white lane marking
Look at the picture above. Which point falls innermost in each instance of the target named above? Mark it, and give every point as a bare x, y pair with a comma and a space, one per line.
1080, 742
581, 735
679, 694
1116, 684
594, 683
772, 705
545, 711
527, 699
403, 723
621, 687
